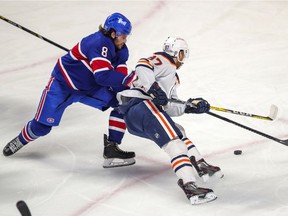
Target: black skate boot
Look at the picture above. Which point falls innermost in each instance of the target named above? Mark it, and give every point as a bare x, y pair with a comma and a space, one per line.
12, 147
197, 195
205, 170
114, 156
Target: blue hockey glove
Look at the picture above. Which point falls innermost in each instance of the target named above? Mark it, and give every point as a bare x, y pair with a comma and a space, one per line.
197, 105
159, 97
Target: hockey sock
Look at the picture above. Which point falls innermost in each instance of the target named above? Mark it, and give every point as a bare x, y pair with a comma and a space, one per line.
32, 131
180, 161
117, 127
192, 150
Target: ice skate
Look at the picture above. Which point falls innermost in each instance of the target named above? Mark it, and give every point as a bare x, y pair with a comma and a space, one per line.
197, 195
206, 170
12, 147
114, 156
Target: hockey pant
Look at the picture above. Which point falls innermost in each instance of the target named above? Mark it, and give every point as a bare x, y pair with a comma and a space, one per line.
56, 97
145, 120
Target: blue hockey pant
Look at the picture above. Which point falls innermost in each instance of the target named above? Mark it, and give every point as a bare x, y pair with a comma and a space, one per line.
145, 120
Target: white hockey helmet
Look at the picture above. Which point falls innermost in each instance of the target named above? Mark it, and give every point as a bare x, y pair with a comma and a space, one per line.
173, 45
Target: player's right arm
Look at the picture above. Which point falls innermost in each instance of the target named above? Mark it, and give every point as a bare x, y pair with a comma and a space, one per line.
99, 53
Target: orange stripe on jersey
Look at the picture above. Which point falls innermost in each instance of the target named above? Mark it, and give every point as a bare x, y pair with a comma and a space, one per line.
162, 119
146, 62
166, 59
186, 160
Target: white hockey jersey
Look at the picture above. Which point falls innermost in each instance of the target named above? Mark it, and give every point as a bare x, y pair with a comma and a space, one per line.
160, 67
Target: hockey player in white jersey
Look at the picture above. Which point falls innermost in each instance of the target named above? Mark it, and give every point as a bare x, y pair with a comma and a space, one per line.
148, 107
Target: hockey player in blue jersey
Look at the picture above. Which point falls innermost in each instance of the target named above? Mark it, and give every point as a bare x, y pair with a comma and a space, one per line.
148, 107
90, 73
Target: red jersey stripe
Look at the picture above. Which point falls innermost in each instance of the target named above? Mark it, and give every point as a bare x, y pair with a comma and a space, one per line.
122, 69
76, 52
98, 64
65, 75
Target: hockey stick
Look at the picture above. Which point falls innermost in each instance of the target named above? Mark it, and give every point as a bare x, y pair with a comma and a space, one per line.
271, 117
23, 208
284, 142
33, 33
273, 109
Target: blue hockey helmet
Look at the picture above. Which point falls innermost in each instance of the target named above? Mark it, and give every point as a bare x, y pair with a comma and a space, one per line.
119, 23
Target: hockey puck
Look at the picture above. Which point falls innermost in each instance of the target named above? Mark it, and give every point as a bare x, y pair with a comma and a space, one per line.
237, 152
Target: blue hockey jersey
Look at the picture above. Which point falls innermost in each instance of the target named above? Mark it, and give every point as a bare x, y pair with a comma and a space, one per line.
94, 67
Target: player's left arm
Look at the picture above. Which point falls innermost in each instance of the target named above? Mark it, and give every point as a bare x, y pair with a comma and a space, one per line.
122, 58
172, 108
121, 66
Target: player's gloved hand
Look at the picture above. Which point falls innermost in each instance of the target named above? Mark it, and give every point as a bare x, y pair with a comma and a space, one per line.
197, 105
159, 97
128, 79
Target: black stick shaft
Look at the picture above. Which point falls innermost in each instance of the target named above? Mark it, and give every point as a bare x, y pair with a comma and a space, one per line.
33, 33
23, 208
284, 142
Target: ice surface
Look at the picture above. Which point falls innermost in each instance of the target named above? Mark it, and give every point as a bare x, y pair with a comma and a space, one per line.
238, 60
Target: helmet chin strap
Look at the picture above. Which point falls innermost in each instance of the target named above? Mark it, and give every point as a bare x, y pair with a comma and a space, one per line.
179, 63
179, 59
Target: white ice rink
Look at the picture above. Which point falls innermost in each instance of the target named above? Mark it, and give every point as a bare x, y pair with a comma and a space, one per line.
238, 60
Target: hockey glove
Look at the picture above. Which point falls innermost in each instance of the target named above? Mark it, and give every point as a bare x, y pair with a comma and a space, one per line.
158, 95
197, 105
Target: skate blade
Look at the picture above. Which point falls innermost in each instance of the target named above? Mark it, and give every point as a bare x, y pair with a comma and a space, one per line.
116, 162
218, 175
209, 197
